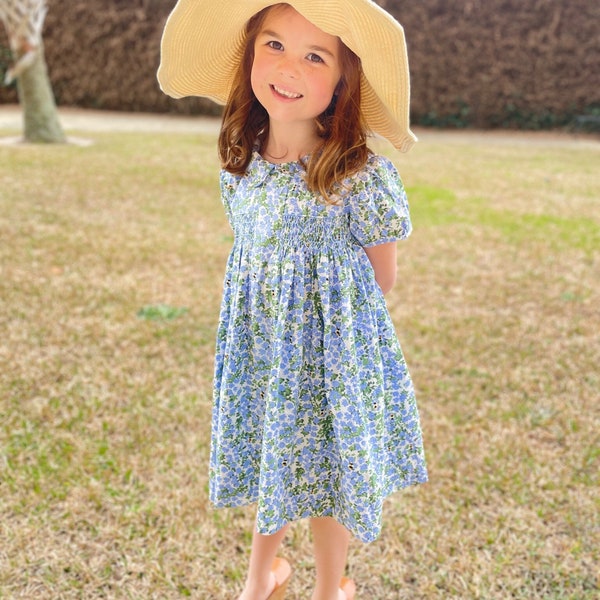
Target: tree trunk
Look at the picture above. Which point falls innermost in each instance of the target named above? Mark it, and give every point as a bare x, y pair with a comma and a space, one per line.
40, 116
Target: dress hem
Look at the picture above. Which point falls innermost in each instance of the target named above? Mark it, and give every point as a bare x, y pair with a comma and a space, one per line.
310, 512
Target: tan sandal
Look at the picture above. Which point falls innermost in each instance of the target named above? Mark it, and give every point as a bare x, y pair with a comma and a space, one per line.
282, 571
348, 587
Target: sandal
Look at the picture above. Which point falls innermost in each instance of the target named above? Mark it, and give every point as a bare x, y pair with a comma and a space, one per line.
348, 587
282, 571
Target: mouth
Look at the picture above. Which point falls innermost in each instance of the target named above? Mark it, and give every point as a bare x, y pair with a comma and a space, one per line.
285, 93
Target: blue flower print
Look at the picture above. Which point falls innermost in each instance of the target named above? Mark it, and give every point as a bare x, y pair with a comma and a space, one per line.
314, 409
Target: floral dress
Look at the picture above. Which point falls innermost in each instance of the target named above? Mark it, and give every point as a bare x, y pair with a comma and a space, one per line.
314, 409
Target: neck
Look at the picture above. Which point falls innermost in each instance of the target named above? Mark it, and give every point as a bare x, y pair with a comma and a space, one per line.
286, 144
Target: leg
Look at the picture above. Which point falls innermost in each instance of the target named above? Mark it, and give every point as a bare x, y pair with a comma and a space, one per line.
331, 548
260, 581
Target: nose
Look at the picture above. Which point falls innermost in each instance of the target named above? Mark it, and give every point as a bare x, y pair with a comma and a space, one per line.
288, 67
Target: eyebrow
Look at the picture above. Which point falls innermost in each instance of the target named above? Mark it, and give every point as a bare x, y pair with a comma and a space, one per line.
269, 33
322, 50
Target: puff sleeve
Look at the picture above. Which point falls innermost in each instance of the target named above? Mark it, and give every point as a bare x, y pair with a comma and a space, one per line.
377, 204
228, 184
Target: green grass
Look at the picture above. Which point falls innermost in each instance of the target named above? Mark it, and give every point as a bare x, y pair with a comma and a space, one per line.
110, 279
438, 206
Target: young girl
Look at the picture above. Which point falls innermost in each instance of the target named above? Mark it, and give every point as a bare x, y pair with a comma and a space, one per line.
314, 410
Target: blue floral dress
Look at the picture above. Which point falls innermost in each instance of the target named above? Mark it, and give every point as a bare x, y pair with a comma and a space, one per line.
314, 409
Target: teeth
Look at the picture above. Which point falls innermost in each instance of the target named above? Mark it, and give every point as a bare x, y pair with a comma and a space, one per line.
285, 93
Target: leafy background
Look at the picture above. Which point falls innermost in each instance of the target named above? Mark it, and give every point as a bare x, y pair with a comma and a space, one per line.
474, 63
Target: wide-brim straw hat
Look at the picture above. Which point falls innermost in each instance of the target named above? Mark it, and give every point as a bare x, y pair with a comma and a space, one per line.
203, 42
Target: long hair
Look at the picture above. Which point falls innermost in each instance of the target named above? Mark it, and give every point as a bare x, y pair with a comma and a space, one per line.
341, 127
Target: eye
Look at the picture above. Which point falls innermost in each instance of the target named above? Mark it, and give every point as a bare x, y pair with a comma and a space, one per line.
312, 57
275, 45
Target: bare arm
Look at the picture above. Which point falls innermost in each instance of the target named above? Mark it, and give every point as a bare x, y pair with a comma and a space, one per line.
383, 259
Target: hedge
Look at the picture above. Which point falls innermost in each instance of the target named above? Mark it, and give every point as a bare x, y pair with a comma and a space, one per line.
481, 63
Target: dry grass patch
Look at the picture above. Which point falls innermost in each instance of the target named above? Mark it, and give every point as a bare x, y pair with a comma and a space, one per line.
105, 411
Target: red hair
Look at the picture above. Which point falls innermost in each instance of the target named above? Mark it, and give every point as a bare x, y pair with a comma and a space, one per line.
341, 126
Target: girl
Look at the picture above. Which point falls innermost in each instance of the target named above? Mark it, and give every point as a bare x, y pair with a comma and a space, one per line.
314, 410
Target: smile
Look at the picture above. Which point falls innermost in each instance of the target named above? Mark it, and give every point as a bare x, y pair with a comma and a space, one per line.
285, 93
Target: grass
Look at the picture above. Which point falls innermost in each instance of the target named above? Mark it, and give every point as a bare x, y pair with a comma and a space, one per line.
110, 278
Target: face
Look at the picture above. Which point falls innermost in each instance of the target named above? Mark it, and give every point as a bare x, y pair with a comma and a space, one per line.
296, 67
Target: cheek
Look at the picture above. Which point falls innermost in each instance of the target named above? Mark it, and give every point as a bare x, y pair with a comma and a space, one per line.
325, 91
258, 75
254, 78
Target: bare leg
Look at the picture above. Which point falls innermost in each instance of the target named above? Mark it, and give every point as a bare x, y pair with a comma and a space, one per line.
331, 549
260, 582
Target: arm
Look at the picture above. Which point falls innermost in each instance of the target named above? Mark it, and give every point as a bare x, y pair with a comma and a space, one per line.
383, 260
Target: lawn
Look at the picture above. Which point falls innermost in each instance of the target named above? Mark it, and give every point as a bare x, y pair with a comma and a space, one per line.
111, 260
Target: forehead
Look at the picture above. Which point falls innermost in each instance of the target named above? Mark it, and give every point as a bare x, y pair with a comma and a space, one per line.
283, 18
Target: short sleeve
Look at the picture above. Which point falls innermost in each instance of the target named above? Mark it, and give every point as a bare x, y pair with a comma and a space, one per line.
377, 204
228, 184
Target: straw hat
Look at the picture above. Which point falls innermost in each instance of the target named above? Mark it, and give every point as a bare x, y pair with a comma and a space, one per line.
203, 42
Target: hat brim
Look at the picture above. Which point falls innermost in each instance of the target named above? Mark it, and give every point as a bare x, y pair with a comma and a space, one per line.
203, 42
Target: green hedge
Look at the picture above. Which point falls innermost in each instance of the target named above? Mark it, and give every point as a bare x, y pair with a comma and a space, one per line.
474, 63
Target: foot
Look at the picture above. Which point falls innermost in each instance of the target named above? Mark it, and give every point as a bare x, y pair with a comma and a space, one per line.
347, 589
264, 593
272, 585
280, 574
276, 585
